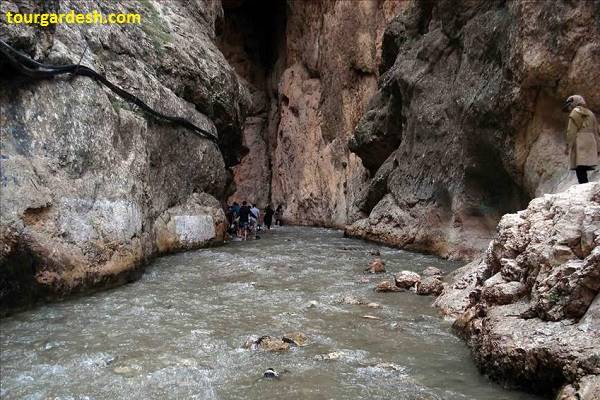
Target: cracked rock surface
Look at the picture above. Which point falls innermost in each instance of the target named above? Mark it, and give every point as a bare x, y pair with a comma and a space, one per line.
529, 307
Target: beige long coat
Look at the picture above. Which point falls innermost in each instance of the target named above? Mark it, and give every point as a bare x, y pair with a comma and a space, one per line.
583, 138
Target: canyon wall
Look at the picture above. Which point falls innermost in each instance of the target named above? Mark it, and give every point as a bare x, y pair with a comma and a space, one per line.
91, 186
466, 123
309, 90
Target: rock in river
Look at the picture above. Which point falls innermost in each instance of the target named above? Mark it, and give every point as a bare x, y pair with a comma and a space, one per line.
387, 286
376, 266
407, 279
431, 285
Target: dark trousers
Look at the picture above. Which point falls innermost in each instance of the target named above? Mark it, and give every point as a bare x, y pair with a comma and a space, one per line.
581, 172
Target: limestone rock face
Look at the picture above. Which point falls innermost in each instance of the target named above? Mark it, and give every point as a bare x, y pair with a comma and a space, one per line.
87, 179
309, 90
466, 124
529, 308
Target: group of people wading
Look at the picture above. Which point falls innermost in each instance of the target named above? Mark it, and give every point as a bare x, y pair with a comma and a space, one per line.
246, 220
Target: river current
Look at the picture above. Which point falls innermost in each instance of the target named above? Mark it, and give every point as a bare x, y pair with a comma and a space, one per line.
179, 332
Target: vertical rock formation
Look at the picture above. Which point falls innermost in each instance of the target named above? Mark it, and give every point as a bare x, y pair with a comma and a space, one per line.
308, 94
529, 308
466, 123
92, 187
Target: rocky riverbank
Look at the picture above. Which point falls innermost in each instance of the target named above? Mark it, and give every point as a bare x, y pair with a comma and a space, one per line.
529, 308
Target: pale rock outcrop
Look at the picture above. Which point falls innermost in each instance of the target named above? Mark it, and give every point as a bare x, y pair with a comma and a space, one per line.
198, 222
85, 176
530, 307
466, 123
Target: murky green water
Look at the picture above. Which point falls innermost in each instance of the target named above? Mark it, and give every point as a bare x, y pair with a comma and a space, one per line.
178, 333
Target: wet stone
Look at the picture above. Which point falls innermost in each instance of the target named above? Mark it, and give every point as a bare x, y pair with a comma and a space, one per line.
376, 266
335, 355
407, 279
295, 338
387, 286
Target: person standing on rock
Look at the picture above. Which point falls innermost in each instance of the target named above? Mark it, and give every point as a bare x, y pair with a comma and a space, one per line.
583, 137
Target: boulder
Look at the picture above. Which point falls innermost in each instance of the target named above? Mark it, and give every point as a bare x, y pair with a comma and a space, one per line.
407, 279
295, 338
270, 343
431, 285
387, 286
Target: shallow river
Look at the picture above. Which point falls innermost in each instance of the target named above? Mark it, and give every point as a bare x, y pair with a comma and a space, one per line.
179, 332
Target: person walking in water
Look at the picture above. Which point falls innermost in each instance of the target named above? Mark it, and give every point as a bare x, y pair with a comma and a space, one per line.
244, 219
256, 214
583, 137
279, 215
269, 216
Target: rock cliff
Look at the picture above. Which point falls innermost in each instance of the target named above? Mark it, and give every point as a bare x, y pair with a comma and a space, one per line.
311, 68
529, 308
92, 187
466, 125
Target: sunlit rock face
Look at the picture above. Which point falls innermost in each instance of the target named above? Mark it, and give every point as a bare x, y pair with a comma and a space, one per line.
529, 307
466, 123
92, 187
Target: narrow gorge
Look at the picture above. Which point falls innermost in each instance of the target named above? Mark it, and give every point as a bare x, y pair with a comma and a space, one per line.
427, 133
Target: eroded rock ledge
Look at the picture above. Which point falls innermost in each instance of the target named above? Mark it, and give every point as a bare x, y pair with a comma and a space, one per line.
529, 307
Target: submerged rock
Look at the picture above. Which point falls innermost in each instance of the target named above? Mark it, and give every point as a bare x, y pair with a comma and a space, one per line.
407, 279
351, 300
376, 266
373, 317
329, 356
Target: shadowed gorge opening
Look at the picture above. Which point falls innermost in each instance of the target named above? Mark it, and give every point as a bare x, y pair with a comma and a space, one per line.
251, 36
